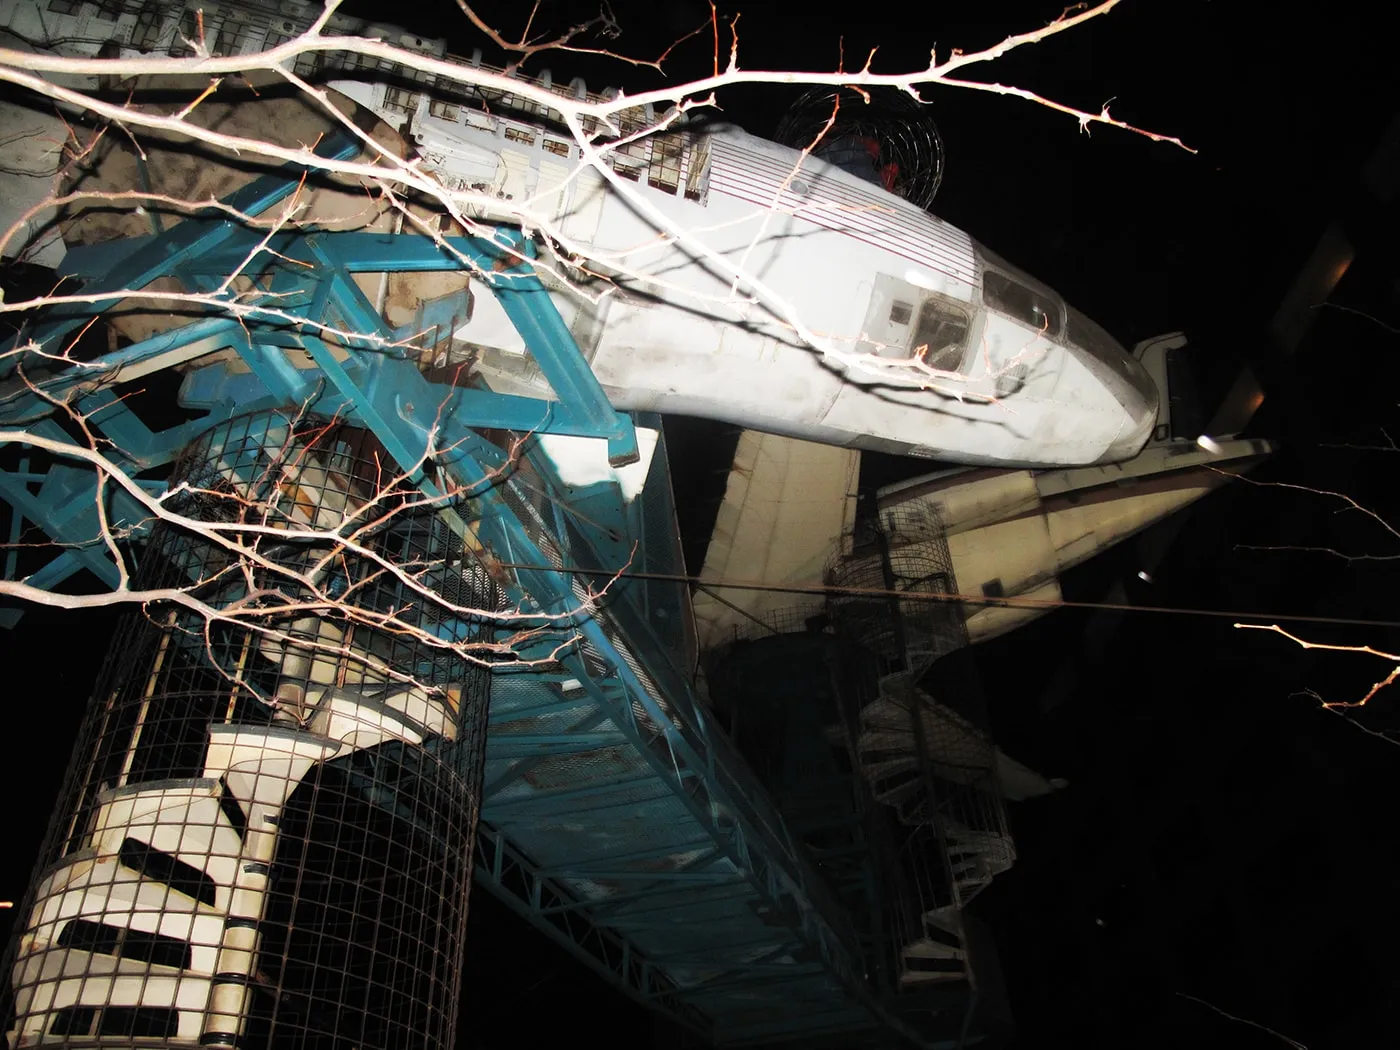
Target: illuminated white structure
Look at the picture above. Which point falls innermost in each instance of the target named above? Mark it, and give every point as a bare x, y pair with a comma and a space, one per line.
1021, 379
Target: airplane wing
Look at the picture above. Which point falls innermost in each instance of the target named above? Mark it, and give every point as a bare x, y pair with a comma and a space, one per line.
785, 508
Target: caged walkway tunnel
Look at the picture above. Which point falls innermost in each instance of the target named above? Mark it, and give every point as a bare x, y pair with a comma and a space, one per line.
384, 667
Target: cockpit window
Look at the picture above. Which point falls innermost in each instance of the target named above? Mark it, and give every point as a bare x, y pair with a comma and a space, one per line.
1019, 301
1091, 336
940, 338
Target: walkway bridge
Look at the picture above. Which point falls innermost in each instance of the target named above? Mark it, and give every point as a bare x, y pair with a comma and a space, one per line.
615, 817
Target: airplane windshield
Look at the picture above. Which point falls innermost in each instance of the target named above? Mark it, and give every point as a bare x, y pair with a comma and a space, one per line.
1007, 295
1017, 295
1091, 337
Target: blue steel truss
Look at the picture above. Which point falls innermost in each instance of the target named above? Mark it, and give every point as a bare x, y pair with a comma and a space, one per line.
615, 817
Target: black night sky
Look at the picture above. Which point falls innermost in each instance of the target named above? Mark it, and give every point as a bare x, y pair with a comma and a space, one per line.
1223, 838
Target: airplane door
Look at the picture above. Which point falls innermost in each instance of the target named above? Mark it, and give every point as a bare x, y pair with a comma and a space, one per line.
889, 320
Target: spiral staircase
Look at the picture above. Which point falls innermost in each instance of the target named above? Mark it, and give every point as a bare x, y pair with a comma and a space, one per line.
933, 766
152, 930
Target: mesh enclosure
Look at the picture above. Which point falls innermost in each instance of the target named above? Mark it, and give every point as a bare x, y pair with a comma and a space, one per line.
666, 601
904, 551
266, 834
883, 136
653, 577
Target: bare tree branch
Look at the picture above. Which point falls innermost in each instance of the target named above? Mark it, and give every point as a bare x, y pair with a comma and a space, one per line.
1244, 1020
1394, 330
1350, 505
1333, 705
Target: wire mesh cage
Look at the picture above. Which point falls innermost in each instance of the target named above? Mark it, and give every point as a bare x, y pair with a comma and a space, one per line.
266, 834
893, 589
883, 136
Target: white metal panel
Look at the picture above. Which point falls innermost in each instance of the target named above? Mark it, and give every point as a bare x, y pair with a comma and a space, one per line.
1079, 530
992, 621
785, 508
30, 149
1016, 553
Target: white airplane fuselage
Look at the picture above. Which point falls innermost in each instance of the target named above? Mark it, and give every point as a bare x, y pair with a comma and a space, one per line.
1022, 379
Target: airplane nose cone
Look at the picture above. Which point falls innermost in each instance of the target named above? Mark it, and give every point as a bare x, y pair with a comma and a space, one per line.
1139, 404
1122, 377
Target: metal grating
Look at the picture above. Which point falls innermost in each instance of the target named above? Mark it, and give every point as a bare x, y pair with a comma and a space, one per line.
904, 551
696, 873
883, 136
266, 835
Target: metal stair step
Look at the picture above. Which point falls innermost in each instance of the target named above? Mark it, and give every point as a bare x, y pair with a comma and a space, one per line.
928, 948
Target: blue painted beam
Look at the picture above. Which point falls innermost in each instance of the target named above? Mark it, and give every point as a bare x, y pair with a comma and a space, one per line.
506, 267
137, 446
621, 910
532, 808
66, 508
704, 953
543, 799
214, 385
677, 928
495, 783
506, 715
89, 261
527, 303
771, 977
55, 572
356, 384
486, 410
602, 861
19, 477
510, 878
603, 522
19, 401
270, 366
530, 745
622, 907
77, 534
662, 879
355, 252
